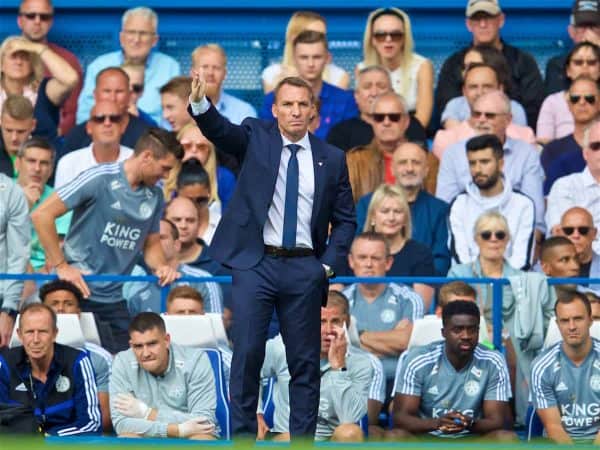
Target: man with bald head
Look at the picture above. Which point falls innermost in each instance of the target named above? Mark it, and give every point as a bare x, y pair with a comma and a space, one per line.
105, 126
371, 82
429, 214
522, 168
112, 84
577, 225
479, 79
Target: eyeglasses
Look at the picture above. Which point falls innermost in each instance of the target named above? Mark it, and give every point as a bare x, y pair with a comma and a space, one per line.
581, 230
137, 88
487, 235
113, 118
380, 117
140, 33
44, 17
395, 36
590, 99
487, 115
594, 146
581, 62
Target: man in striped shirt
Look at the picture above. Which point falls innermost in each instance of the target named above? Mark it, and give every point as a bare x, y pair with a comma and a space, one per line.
565, 379
455, 387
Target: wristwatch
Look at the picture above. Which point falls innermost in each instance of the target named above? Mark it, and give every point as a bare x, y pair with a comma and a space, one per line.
11, 312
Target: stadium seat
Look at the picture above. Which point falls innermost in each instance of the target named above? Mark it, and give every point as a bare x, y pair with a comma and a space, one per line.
193, 330
216, 321
353, 332
222, 412
535, 427
429, 329
69, 332
553, 333
89, 328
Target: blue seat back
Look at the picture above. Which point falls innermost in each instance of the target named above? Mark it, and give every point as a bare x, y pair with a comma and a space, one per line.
535, 427
222, 412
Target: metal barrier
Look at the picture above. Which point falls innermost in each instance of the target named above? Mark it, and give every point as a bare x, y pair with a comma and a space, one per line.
497, 284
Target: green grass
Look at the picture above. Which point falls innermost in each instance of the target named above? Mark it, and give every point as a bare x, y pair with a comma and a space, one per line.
27, 443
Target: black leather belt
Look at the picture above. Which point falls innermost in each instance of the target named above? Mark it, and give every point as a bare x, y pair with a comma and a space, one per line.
288, 252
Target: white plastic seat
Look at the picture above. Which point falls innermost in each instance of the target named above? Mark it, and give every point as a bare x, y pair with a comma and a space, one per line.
216, 320
69, 332
353, 332
429, 329
89, 328
191, 330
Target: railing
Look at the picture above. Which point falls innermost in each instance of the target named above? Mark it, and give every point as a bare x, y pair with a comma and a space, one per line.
497, 284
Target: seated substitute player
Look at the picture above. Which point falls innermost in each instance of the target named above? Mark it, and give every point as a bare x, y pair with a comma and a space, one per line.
565, 379
347, 376
160, 389
455, 387
64, 298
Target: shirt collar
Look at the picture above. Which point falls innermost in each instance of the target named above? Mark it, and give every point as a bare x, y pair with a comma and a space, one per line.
587, 178
304, 142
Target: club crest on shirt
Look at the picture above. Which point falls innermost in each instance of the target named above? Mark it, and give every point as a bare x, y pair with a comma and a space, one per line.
388, 316
62, 384
595, 382
145, 210
471, 388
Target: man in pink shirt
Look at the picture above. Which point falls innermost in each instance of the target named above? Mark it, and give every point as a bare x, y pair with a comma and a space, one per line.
479, 79
35, 20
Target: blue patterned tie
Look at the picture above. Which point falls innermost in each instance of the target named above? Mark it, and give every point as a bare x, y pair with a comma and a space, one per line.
290, 211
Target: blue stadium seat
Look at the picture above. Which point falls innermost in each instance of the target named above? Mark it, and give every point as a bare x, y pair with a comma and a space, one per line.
222, 412
535, 427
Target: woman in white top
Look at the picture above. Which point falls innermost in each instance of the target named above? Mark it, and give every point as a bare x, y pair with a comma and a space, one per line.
388, 42
301, 21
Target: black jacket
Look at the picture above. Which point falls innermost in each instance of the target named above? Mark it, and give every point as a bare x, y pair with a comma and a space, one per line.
526, 87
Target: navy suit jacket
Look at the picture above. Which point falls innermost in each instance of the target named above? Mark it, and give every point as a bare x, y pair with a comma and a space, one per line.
238, 241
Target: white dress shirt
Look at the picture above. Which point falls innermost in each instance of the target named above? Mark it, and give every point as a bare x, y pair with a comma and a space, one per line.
577, 189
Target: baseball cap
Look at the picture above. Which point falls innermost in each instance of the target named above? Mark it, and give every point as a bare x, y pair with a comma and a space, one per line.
586, 12
490, 7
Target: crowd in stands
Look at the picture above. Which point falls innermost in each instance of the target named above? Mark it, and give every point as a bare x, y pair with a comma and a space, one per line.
490, 171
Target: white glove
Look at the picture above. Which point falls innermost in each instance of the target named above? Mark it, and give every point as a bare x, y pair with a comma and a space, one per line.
197, 425
130, 406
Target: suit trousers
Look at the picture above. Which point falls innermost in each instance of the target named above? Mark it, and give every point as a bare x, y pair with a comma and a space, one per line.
295, 288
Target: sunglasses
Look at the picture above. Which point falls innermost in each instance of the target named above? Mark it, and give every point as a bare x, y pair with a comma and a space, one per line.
587, 62
380, 117
487, 115
200, 201
44, 17
581, 230
594, 146
574, 99
395, 36
113, 118
487, 235
137, 88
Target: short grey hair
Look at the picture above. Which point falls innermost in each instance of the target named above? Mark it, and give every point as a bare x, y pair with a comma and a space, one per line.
499, 94
141, 11
391, 94
374, 68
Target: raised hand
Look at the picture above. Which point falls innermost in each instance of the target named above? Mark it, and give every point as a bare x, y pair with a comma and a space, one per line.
198, 86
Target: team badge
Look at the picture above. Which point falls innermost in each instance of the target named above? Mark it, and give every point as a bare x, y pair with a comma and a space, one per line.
145, 210
595, 382
62, 384
471, 388
388, 316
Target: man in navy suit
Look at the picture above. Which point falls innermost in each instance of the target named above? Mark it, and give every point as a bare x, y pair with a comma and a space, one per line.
274, 235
